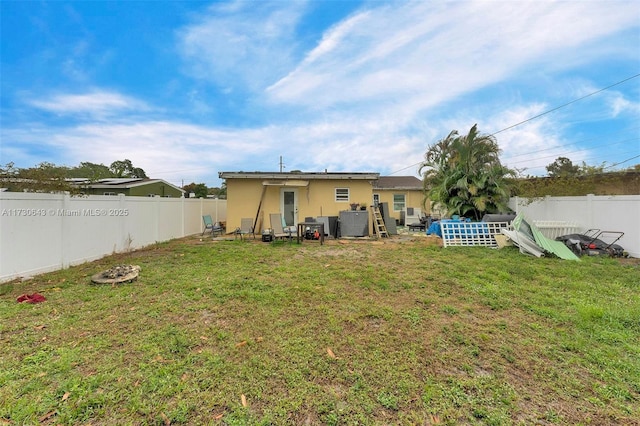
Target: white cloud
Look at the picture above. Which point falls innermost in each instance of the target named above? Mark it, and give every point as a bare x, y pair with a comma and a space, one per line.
428, 52
241, 44
619, 105
97, 103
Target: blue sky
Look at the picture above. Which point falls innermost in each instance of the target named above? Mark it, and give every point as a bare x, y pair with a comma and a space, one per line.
187, 89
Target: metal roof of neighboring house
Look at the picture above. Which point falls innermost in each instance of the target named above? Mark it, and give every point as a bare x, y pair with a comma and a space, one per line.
120, 183
398, 182
298, 175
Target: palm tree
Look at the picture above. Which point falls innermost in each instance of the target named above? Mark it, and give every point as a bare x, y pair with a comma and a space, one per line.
463, 175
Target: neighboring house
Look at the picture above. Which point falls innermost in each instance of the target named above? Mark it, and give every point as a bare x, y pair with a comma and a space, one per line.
298, 195
400, 192
136, 187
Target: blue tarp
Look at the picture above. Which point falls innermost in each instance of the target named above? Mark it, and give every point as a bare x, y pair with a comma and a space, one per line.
435, 229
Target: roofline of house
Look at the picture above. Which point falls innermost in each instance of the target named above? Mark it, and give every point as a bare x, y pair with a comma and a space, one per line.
298, 175
397, 188
127, 185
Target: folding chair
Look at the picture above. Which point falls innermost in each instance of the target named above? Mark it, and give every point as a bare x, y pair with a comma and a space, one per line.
278, 229
209, 224
246, 227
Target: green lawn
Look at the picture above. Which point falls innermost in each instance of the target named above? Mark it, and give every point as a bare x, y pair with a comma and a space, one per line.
401, 332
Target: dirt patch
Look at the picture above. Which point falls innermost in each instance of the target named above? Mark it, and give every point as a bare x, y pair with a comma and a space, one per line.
629, 261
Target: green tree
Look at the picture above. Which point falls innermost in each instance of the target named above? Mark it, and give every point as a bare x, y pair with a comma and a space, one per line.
562, 167
45, 177
220, 192
586, 169
124, 168
199, 189
463, 175
91, 171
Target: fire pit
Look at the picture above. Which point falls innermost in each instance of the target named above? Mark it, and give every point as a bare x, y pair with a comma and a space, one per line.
116, 275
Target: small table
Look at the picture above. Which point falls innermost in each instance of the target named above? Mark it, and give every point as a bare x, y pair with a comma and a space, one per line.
417, 226
302, 227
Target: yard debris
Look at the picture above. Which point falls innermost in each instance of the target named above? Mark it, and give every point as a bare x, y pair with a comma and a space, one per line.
331, 354
117, 274
31, 298
435, 420
165, 420
243, 400
530, 240
47, 416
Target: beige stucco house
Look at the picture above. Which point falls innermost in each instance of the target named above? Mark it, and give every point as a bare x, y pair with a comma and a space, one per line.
401, 192
298, 195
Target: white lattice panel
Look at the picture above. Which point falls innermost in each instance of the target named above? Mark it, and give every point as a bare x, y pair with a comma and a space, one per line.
470, 233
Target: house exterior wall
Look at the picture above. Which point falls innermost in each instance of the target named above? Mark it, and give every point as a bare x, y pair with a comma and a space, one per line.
315, 199
413, 198
101, 191
243, 198
156, 188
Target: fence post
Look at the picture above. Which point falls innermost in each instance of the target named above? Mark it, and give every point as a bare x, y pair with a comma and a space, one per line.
182, 207
156, 202
66, 230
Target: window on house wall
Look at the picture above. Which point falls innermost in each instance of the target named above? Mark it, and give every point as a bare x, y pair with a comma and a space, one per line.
342, 194
376, 199
399, 202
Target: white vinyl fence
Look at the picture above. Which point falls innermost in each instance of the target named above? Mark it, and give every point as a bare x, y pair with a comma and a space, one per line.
616, 213
46, 232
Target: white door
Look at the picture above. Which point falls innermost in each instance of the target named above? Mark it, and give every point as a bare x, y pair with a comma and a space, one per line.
289, 206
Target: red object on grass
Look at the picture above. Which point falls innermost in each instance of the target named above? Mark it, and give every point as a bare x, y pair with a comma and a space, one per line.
31, 298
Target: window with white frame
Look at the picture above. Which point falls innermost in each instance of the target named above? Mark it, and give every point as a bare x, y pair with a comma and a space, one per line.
342, 195
376, 199
399, 202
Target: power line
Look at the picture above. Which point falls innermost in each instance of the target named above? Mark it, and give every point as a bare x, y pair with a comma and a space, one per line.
584, 160
544, 113
571, 144
567, 104
564, 153
621, 162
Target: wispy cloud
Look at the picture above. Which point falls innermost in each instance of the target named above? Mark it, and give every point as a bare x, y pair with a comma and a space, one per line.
95, 104
242, 45
429, 52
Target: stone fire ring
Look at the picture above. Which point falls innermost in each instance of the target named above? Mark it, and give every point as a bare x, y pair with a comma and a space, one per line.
117, 274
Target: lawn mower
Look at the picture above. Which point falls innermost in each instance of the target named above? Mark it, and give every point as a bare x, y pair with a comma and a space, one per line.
591, 244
